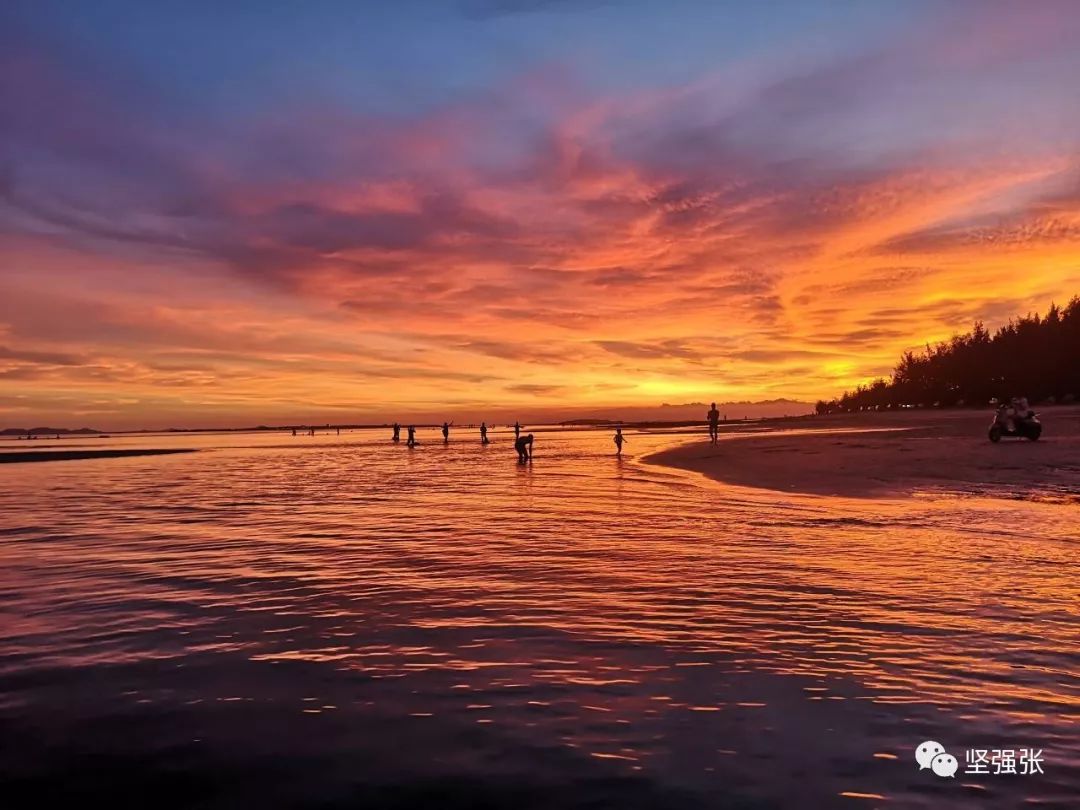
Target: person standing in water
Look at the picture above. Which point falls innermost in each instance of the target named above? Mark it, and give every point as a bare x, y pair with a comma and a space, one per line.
523, 445
517, 431
714, 424
397, 432
483, 433
445, 432
412, 437
619, 439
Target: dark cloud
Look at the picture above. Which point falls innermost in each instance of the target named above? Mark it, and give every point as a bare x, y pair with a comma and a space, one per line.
317, 230
22, 374
536, 389
663, 349
41, 358
777, 355
858, 338
525, 352
626, 277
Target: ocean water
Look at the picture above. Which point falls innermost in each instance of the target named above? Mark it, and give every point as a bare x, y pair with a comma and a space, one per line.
335, 621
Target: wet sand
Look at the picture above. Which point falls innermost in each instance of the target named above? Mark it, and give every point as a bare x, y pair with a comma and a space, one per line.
892, 454
27, 456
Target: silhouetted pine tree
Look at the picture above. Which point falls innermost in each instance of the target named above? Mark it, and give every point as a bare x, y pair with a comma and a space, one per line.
1032, 356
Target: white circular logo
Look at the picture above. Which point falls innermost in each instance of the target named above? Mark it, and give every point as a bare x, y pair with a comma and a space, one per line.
926, 752
944, 765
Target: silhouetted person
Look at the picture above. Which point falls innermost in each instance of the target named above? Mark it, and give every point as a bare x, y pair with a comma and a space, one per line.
619, 439
445, 432
523, 445
312, 431
411, 442
714, 424
483, 433
397, 432
517, 431
294, 431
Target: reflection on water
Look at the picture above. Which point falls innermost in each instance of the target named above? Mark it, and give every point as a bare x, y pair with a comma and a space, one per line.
323, 620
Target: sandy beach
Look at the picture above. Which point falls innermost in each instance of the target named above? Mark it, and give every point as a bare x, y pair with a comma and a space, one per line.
892, 454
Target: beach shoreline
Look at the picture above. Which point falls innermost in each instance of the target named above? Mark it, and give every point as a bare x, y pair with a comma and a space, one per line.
891, 454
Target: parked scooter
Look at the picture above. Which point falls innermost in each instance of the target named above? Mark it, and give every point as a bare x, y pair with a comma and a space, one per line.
1015, 419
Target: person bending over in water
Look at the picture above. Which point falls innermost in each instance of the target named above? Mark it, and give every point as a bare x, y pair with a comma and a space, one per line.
619, 439
412, 437
714, 424
523, 445
483, 433
397, 432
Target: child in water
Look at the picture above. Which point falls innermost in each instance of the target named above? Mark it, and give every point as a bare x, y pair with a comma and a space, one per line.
619, 439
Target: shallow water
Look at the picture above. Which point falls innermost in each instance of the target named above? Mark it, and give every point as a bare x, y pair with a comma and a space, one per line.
326, 621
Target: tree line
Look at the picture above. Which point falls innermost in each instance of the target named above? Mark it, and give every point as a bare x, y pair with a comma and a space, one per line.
1033, 356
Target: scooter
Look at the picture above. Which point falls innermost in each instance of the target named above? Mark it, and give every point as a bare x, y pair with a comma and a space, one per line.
1009, 421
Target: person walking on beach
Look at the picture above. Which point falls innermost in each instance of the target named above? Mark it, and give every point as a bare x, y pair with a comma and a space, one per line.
619, 439
411, 442
397, 433
523, 445
714, 424
445, 432
483, 433
517, 431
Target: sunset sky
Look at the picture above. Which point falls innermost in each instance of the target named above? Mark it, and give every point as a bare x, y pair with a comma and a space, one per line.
258, 212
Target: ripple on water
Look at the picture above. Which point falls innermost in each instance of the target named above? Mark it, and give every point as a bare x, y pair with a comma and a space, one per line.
273, 619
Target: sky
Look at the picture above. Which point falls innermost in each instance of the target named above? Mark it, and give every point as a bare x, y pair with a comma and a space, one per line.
272, 212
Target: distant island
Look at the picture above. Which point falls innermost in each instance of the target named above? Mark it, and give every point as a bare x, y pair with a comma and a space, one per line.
1032, 356
48, 431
